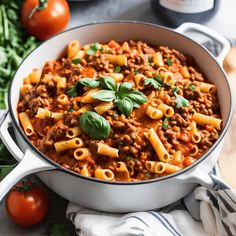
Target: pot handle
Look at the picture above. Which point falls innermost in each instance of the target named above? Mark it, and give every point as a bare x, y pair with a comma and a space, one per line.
30, 163
225, 45
8, 140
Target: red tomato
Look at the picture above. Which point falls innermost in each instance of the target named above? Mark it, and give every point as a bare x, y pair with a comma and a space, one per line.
44, 23
27, 206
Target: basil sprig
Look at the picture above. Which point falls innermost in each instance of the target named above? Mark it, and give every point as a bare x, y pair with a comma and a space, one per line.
123, 95
94, 125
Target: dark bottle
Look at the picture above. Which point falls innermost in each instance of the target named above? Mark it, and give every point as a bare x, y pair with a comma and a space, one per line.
175, 12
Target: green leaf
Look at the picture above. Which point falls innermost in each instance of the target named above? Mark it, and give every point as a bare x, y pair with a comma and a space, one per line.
124, 89
76, 61
175, 89
5, 170
137, 98
135, 72
117, 69
101, 49
125, 105
92, 49
192, 87
168, 62
152, 82
94, 125
165, 124
92, 83
108, 83
58, 230
74, 90
158, 77
180, 101
105, 95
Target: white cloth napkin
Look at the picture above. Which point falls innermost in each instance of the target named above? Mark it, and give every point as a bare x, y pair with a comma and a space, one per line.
203, 212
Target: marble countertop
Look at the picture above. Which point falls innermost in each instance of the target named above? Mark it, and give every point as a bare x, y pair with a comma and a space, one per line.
83, 12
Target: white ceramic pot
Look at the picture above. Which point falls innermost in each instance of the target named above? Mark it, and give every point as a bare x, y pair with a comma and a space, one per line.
117, 196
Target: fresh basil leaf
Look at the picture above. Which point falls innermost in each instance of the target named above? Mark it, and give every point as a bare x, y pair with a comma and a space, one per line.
137, 97
101, 49
168, 62
117, 69
105, 95
5, 170
165, 124
92, 83
152, 82
58, 230
108, 83
76, 61
75, 90
124, 89
92, 49
94, 125
192, 87
180, 101
125, 105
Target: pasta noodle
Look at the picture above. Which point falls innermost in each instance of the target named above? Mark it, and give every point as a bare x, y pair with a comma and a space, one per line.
154, 113
104, 174
106, 150
26, 123
61, 146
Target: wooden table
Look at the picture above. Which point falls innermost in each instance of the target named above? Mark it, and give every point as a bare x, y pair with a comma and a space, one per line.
227, 160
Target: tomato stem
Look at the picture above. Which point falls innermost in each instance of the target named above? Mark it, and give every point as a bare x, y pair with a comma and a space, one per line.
42, 4
26, 186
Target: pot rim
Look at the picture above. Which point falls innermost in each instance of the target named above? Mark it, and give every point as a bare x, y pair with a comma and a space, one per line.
140, 182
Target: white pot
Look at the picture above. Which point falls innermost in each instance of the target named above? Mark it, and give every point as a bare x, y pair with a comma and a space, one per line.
117, 196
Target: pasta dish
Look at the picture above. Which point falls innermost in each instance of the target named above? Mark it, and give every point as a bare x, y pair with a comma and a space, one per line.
123, 111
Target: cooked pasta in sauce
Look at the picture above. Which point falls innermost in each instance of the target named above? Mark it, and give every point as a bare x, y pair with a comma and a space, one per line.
120, 111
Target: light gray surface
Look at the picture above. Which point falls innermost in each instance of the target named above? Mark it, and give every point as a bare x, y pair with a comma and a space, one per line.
103, 10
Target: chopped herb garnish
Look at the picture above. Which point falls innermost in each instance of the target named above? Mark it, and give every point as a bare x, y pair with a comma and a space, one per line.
150, 59
71, 109
155, 81
117, 69
135, 72
175, 89
147, 175
129, 158
76, 61
192, 87
165, 124
168, 62
101, 49
92, 49
180, 101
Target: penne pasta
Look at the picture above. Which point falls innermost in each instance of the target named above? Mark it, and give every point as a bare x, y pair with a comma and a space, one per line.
162, 153
57, 115
88, 96
63, 99
73, 132
81, 154
184, 72
151, 166
168, 111
208, 120
85, 171
103, 107
158, 59
61, 146
106, 150
43, 113
195, 135
85, 108
139, 81
104, 174
73, 48
162, 167
207, 88
118, 77
120, 60
168, 78
154, 113
26, 123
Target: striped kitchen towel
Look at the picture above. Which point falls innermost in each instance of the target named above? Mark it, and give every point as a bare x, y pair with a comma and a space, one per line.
202, 212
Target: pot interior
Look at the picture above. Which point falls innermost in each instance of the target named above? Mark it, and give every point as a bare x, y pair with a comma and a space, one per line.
121, 31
